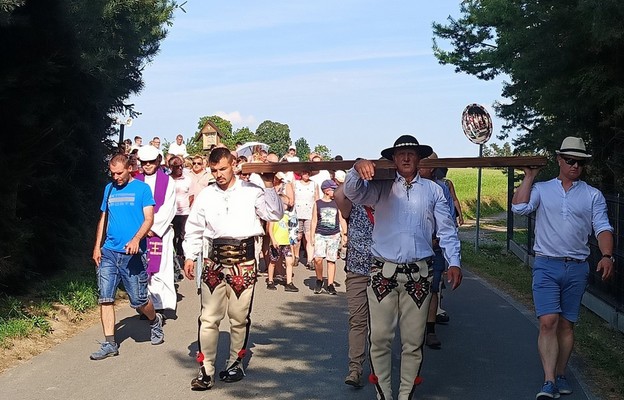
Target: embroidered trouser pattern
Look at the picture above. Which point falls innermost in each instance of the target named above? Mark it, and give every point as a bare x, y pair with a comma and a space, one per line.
226, 290
406, 295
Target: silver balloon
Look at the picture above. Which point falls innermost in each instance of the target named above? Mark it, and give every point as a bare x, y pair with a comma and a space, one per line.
477, 124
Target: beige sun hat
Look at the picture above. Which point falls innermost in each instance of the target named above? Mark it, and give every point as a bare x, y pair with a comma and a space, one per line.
573, 147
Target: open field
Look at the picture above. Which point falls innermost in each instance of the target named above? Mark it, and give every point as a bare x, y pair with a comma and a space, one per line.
493, 190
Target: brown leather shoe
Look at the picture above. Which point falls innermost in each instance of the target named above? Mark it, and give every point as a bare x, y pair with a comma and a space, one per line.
354, 379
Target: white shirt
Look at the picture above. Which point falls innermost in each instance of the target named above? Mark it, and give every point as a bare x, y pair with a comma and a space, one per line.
319, 178
304, 198
177, 149
564, 220
183, 191
233, 213
405, 223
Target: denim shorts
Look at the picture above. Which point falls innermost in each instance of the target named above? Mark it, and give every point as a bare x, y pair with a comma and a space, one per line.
118, 267
439, 265
558, 286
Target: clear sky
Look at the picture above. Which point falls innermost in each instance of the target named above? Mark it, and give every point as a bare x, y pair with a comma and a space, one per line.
350, 74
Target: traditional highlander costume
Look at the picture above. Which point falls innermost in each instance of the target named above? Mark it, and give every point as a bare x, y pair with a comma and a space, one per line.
399, 291
230, 220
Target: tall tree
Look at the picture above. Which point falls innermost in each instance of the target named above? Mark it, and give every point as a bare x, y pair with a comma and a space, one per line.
68, 65
303, 148
563, 61
241, 135
276, 135
323, 151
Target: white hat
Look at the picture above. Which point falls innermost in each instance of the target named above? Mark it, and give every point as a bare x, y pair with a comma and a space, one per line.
573, 147
340, 175
281, 176
292, 146
148, 153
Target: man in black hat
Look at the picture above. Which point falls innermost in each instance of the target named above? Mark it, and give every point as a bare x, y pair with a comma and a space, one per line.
408, 211
567, 211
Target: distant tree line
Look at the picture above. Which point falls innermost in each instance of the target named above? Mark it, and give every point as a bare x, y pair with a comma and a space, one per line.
274, 134
562, 64
68, 67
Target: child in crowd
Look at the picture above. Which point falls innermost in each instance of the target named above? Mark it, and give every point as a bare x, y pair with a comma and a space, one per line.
330, 231
280, 250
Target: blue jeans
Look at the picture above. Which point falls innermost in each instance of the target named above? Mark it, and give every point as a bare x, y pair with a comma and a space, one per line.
558, 286
118, 267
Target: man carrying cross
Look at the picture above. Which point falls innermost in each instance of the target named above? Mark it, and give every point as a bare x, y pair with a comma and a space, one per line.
408, 211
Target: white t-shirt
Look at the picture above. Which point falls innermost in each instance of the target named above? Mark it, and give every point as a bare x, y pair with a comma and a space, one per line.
178, 150
319, 178
183, 186
304, 198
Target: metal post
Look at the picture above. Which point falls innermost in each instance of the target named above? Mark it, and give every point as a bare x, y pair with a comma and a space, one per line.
510, 221
121, 136
478, 201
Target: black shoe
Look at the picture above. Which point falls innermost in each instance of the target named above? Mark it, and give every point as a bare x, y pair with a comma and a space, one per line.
271, 285
432, 341
233, 374
318, 288
331, 289
290, 287
202, 381
442, 318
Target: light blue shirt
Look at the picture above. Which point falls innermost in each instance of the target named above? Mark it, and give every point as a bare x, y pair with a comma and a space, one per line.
406, 219
564, 220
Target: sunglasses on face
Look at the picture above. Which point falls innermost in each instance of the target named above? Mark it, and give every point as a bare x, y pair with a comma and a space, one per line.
176, 166
198, 163
572, 161
148, 162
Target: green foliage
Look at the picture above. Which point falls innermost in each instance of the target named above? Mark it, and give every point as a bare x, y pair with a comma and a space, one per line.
241, 135
17, 322
493, 191
494, 150
276, 135
77, 61
564, 69
323, 151
303, 149
80, 296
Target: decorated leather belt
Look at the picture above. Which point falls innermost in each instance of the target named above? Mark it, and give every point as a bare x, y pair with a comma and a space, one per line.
232, 251
419, 267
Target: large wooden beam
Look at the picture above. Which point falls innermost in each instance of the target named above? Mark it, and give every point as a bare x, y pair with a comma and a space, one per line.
464, 162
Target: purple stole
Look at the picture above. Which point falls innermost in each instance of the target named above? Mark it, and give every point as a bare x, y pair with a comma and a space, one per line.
154, 243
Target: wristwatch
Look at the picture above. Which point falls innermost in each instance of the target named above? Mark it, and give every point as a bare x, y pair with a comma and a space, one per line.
609, 256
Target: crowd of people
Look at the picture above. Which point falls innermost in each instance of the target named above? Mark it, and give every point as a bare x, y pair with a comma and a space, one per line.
398, 238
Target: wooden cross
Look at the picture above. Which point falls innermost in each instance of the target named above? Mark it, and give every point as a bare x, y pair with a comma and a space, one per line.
384, 169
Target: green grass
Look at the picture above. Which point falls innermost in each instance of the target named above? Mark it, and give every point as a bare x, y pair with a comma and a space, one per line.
28, 315
493, 190
19, 321
599, 347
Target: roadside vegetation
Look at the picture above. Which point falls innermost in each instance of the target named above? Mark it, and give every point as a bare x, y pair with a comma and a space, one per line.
28, 315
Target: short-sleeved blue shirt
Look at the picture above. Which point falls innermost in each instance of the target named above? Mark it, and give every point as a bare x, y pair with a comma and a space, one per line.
125, 212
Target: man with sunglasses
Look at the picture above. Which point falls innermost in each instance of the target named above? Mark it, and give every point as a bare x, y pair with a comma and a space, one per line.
199, 175
567, 211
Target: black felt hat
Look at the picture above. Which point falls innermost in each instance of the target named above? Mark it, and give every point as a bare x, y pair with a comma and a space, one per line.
408, 141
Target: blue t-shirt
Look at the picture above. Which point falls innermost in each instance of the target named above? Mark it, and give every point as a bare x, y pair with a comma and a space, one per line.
125, 213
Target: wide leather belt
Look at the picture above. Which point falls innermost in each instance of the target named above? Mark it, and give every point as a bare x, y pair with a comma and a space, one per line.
420, 267
227, 251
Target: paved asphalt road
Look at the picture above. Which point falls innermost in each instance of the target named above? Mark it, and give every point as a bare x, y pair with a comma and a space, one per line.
298, 350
